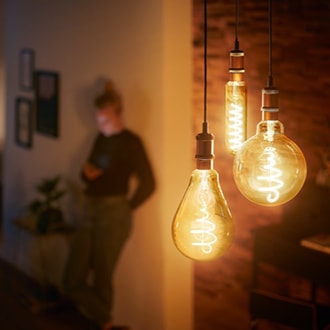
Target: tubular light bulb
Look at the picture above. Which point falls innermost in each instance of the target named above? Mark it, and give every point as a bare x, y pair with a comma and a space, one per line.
269, 169
202, 227
235, 103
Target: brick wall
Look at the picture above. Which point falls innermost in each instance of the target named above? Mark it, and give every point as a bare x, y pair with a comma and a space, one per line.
301, 67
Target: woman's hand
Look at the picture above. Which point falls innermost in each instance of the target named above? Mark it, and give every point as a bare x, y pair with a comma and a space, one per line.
91, 172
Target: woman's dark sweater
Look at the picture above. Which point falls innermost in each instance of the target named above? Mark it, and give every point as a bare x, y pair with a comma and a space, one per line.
120, 156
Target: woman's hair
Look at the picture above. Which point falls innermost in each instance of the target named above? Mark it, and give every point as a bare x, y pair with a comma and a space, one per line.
109, 96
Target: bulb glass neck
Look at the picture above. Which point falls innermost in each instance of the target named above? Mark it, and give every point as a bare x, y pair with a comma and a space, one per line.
236, 65
270, 128
204, 151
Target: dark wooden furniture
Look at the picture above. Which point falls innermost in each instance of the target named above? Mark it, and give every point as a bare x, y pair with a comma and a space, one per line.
47, 294
274, 247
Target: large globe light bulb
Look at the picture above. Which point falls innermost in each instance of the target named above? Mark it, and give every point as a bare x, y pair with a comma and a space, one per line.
202, 228
269, 169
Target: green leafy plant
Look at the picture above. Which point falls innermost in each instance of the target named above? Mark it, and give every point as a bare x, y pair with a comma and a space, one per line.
48, 189
45, 208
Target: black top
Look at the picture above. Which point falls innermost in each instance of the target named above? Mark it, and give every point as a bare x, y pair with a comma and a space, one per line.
120, 156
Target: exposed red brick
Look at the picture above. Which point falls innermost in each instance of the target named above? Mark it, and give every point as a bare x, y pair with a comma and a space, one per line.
301, 65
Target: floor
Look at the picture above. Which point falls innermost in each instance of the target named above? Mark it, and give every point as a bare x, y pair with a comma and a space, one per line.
19, 310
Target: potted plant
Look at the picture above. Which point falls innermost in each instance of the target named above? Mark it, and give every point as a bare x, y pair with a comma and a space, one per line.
45, 209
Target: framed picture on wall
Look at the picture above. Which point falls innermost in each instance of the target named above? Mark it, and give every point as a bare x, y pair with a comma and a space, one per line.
26, 69
47, 102
23, 122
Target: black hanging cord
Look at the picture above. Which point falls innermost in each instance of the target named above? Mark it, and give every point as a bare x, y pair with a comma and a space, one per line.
270, 74
236, 28
205, 66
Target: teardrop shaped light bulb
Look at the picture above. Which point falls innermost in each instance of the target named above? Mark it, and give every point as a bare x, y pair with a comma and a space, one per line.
269, 169
202, 228
235, 103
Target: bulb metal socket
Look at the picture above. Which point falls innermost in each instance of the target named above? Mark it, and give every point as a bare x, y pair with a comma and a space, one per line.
204, 151
236, 65
270, 103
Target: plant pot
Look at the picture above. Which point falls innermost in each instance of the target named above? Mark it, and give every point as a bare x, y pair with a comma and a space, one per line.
48, 220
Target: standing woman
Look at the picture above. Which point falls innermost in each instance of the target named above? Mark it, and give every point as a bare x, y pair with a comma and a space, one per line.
116, 156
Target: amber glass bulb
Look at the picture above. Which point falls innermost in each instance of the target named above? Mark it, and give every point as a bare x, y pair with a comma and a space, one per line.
235, 103
203, 228
269, 169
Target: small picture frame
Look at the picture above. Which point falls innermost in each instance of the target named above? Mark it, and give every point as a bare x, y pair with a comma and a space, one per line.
47, 102
26, 69
23, 122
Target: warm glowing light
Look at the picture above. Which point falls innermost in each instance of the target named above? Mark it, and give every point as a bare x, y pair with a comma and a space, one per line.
235, 102
271, 178
269, 169
235, 109
202, 228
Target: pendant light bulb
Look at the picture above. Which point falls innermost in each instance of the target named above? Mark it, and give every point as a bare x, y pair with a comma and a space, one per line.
269, 169
235, 103
202, 228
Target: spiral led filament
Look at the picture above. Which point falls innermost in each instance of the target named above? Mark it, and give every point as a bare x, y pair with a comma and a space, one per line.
235, 115
203, 229
271, 180
203, 235
235, 103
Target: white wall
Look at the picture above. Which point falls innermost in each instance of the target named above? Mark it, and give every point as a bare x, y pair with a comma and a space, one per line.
145, 47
